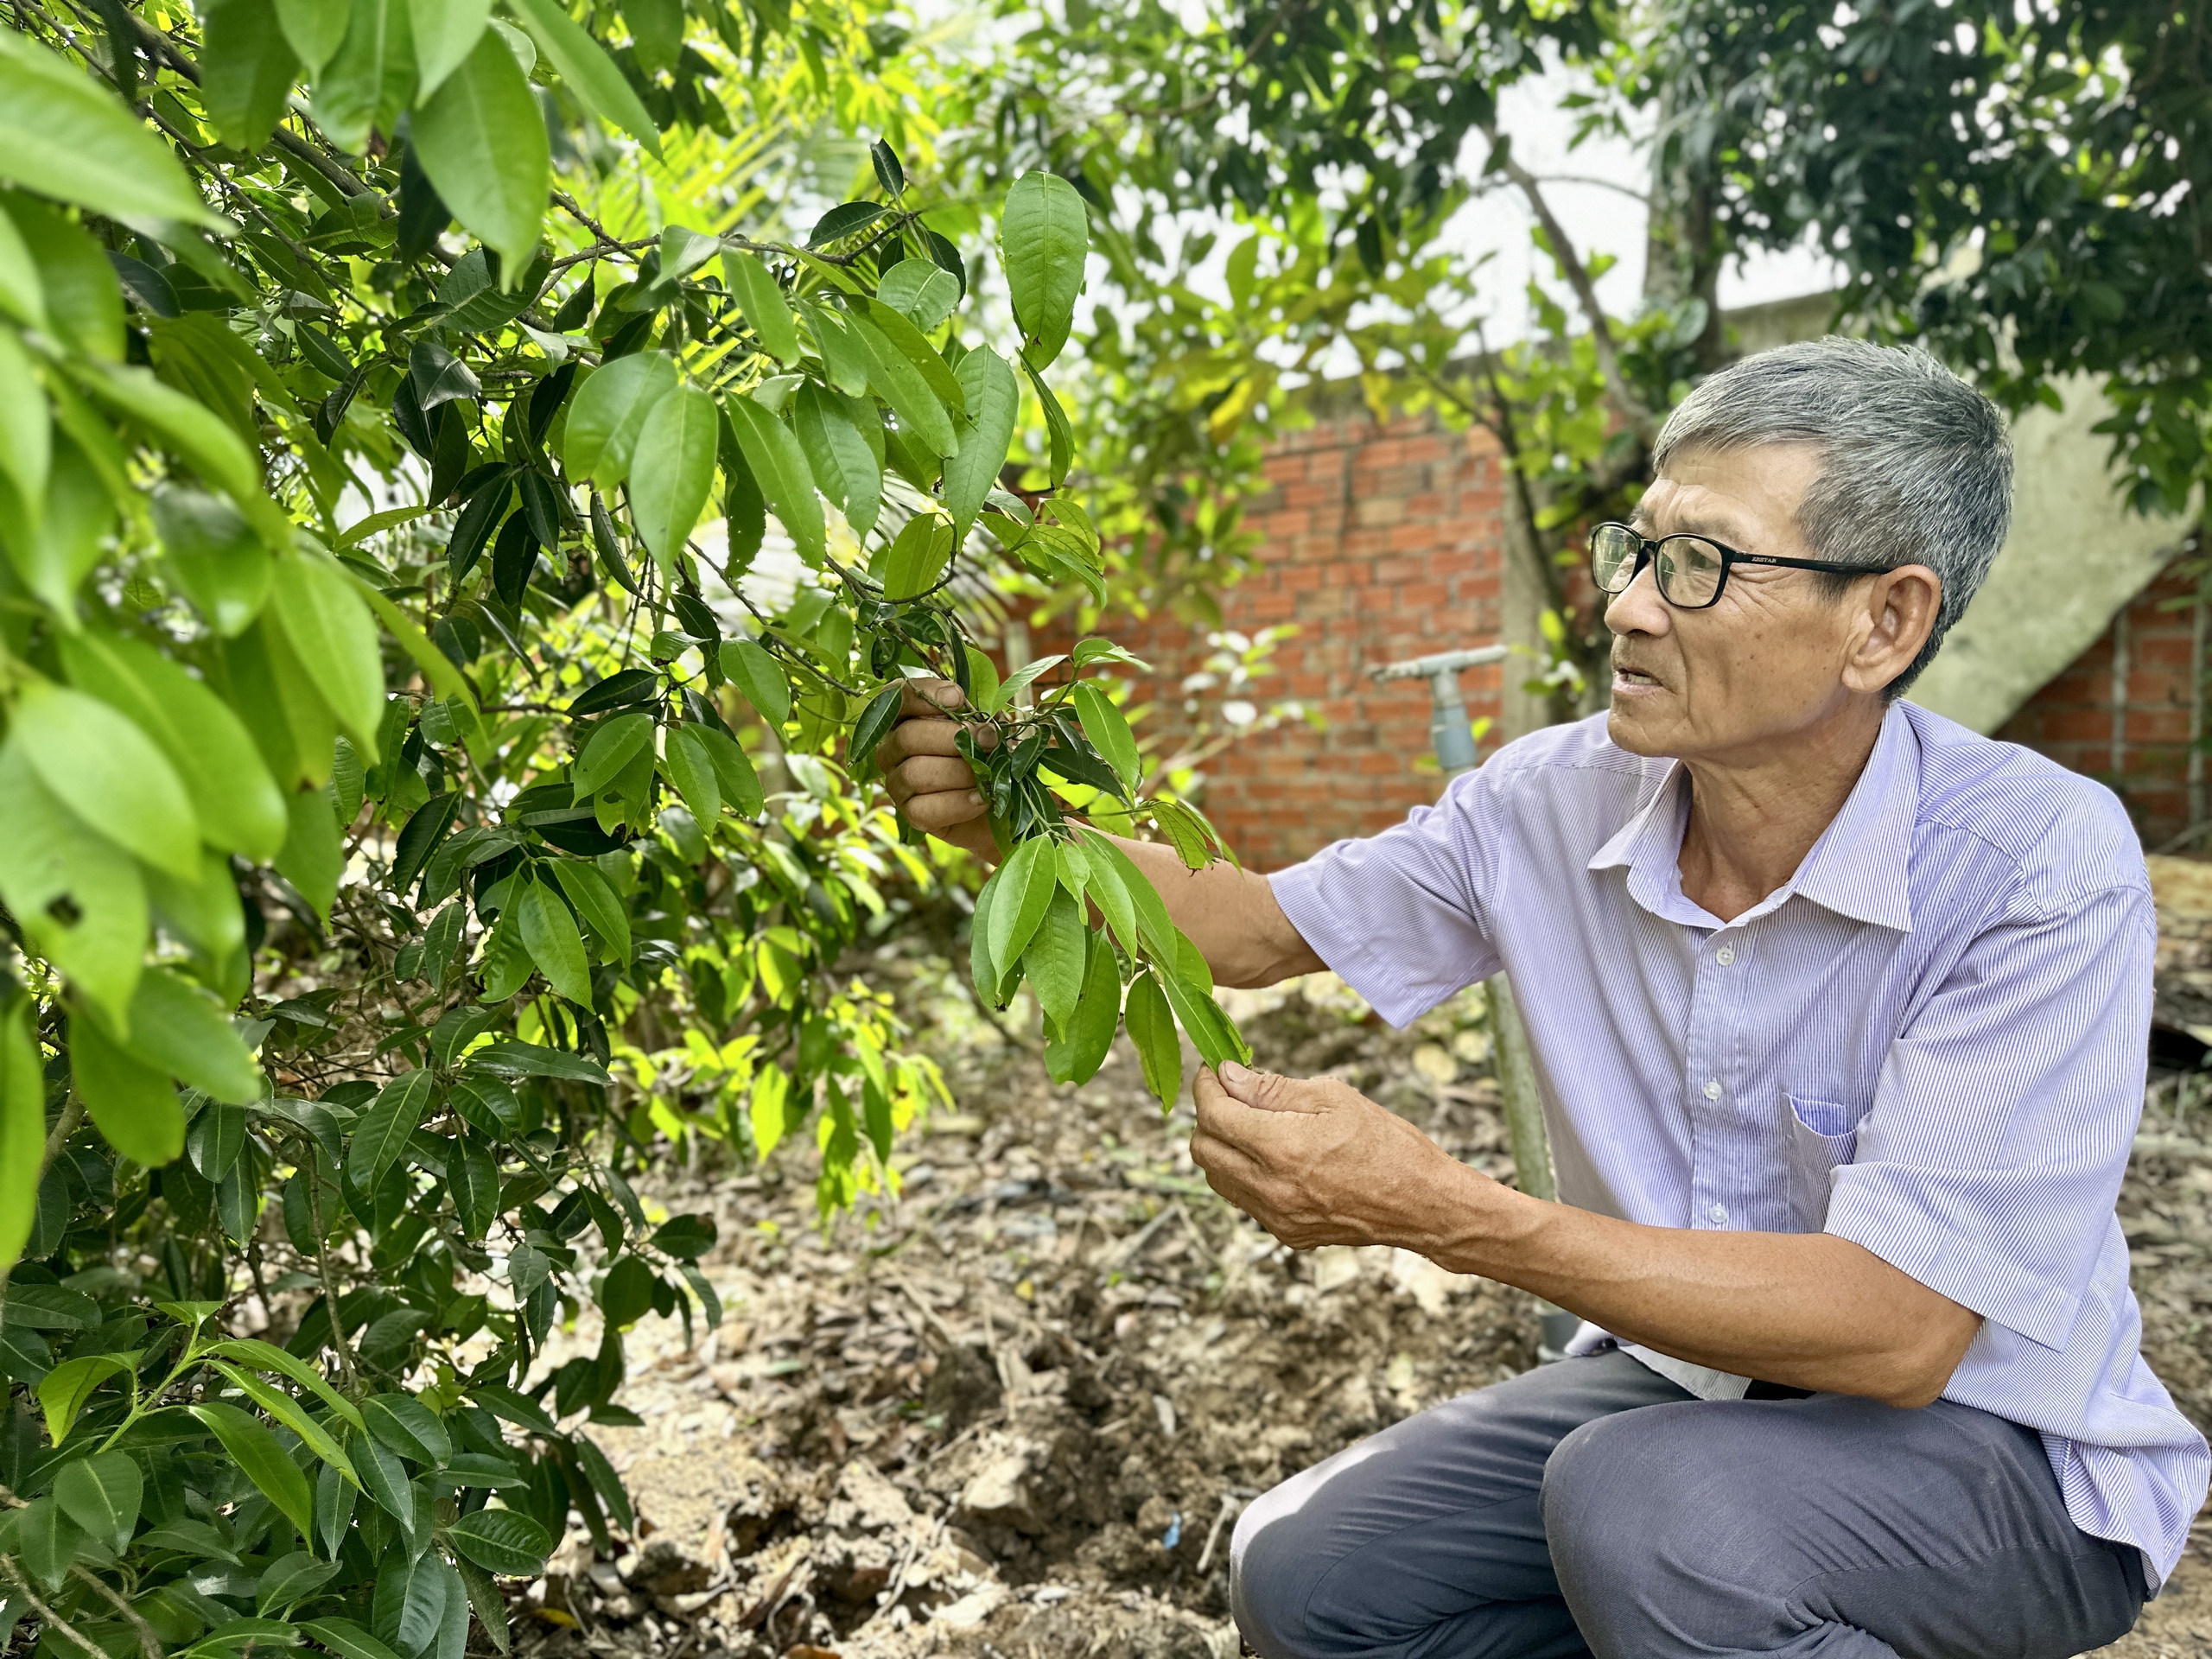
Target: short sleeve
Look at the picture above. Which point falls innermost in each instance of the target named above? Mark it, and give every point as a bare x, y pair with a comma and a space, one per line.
1989, 1165
1401, 917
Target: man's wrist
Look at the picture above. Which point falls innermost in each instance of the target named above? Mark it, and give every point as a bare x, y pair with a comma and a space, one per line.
1475, 1225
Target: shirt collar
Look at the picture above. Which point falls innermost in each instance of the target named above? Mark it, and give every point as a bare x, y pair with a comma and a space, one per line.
1857, 867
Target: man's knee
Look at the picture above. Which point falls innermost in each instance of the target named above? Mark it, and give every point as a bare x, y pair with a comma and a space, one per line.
1271, 1568
1608, 1496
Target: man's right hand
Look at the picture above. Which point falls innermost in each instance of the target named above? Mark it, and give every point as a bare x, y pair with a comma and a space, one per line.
932, 786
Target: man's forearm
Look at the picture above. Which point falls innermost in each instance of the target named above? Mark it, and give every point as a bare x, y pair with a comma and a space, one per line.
1230, 914
1809, 1310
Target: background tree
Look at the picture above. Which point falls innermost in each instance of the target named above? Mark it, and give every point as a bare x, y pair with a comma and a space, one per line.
409, 829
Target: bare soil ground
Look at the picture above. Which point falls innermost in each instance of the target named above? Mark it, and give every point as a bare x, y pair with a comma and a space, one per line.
1012, 1416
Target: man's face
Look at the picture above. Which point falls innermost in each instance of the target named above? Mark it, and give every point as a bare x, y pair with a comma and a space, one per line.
1758, 670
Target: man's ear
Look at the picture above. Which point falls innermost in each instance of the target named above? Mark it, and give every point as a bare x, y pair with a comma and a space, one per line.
1901, 609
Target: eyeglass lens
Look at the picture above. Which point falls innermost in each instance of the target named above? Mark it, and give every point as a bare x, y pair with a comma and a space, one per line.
1687, 568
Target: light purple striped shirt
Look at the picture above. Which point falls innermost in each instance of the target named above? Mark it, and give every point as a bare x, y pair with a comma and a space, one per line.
1931, 1041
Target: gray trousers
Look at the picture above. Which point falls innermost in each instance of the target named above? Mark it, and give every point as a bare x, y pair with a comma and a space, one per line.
1593, 1507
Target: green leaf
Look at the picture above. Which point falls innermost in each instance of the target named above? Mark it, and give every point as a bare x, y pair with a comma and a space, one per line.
993, 399
1026, 882
482, 141
46, 1540
673, 470
67, 137
22, 1131
522, 1059
895, 380
690, 768
845, 469
604, 1482
549, 932
1044, 237
1089, 1032
608, 412
1188, 991
63, 1391
609, 750
982, 966
437, 668
874, 725
23, 295
335, 635
315, 28
54, 549
102, 1494
370, 80
26, 429
502, 1541
1108, 732
383, 1478
215, 558
738, 784
385, 1129
916, 559
237, 803
346, 1639
1058, 953
984, 690
207, 444
778, 466
759, 677
408, 1426
761, 299
290, 1580
626, 1295
134, 1105
288, 1411
180, 1029
585, 69
1059, 435
49, 1308
246, 70
78, 896
597, 903
261, 1456
920, 290
445, 32
945, 385
1152, 1028
267, 1356
1112, 874
473, 1183
108, 773
312, 858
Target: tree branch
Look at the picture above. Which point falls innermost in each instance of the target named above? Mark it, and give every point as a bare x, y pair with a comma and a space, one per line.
1626, 404
47, 1616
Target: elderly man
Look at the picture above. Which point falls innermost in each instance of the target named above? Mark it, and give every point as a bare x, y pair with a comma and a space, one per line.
1839, 1012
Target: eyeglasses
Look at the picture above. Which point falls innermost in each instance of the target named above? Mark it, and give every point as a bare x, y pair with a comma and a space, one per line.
1691, 571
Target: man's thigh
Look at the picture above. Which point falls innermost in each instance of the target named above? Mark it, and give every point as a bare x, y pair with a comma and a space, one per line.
1830, 1526
1428, 1539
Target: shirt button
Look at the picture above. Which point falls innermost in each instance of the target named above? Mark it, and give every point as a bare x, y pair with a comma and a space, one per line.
1718, 1214
1713, 1089
1724, 956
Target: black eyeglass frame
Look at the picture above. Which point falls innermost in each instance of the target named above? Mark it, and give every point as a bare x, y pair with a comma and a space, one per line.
1647, 550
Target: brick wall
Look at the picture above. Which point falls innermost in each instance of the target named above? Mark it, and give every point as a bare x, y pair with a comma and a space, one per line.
2072, 718
1381, 544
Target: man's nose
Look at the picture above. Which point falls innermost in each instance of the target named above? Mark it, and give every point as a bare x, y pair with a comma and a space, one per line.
1637, 608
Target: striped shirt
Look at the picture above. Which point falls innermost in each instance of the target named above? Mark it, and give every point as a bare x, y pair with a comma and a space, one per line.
1931, 1040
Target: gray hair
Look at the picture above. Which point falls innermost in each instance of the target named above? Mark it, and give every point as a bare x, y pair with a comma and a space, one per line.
1918, 465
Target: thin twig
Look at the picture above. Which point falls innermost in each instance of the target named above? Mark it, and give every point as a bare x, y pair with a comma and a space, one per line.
148, 1642
48, 1616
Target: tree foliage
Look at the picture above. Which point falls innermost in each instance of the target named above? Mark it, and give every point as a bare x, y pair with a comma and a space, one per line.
412, 822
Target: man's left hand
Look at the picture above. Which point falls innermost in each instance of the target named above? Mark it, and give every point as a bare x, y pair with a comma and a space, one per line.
1316, 1162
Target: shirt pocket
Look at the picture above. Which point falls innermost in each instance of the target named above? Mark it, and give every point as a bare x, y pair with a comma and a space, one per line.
1818, 1136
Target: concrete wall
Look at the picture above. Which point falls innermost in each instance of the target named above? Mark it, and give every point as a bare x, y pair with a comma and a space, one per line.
2075, 558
